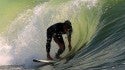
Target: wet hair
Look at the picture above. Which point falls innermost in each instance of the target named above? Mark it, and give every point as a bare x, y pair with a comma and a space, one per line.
67, 24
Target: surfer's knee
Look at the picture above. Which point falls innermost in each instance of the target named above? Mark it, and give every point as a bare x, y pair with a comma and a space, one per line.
62, 47
61, 50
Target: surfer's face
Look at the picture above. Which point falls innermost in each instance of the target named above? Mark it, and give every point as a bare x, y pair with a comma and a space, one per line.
65, 29
67, 26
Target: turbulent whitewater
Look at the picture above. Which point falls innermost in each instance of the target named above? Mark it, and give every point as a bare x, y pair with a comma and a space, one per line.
97, 39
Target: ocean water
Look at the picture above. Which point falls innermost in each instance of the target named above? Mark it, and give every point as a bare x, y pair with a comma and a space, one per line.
97, 39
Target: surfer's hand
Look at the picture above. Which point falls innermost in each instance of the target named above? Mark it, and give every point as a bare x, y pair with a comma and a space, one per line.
70, 47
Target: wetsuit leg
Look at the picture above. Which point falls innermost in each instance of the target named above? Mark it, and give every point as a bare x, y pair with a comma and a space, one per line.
48, 44
59, 40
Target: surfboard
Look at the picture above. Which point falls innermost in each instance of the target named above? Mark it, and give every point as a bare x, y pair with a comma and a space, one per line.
44, 61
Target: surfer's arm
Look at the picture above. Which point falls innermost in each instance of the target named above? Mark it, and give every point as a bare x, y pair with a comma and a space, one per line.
69, 38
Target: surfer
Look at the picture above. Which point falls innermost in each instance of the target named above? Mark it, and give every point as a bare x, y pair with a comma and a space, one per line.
55, 31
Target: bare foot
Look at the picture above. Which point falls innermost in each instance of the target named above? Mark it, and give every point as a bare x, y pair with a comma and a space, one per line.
49, 57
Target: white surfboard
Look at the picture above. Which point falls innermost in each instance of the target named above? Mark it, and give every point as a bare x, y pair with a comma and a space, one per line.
44, 61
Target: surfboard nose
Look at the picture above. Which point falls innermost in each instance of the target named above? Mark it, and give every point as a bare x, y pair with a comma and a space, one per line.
35, 60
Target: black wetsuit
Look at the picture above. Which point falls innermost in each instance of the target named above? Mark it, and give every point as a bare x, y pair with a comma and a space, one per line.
57, 30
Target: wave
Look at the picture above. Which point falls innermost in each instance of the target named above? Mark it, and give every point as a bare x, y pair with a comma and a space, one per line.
26, 35
98, 24
106, 48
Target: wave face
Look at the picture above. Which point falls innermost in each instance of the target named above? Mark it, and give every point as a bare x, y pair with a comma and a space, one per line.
106, 49
97, 23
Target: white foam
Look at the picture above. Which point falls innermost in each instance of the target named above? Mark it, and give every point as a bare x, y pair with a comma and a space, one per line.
5, 57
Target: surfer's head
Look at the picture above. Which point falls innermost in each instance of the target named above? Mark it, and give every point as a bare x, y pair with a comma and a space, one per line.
67, 25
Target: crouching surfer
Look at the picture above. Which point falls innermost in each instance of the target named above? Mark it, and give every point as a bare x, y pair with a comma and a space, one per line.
56, 31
